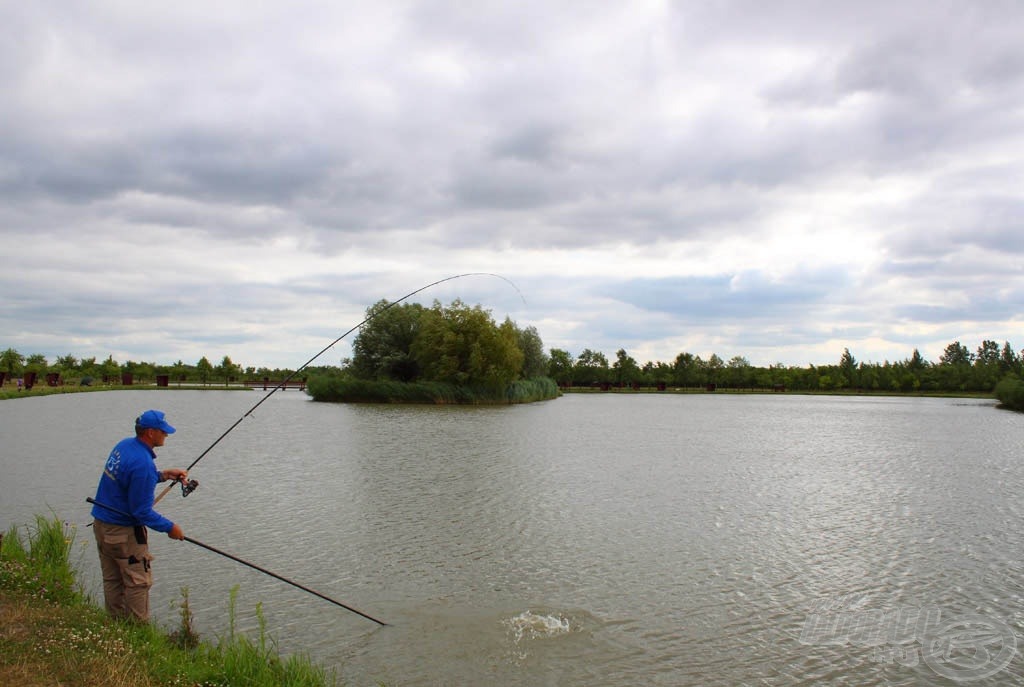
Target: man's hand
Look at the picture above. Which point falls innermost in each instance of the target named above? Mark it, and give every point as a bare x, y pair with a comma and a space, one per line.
174, 474
176, 532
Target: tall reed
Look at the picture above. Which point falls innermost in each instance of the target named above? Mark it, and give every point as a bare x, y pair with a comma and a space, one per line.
38, 564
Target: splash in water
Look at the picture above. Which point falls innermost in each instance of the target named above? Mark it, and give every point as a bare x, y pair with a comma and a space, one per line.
530, 625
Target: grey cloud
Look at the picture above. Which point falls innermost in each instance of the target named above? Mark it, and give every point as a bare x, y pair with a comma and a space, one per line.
729, 297
987, 308
893, 67
942, 226
538, 143
227, 165
508, 185
199, 164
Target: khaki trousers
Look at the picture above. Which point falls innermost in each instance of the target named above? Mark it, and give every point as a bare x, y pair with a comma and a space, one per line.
125, 562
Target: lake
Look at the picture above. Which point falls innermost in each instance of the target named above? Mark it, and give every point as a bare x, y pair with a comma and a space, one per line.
591, 540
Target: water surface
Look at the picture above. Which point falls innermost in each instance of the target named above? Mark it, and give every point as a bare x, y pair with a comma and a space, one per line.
591, 540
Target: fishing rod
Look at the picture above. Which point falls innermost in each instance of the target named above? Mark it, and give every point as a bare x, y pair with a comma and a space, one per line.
190, 486
254, 567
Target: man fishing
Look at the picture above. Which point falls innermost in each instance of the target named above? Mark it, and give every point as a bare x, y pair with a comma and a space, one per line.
126, 486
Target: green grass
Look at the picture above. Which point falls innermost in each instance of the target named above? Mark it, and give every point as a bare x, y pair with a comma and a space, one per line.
52, 633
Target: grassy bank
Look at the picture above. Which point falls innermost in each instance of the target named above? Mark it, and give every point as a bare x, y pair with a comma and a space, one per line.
52, 634
701, 391
9, 391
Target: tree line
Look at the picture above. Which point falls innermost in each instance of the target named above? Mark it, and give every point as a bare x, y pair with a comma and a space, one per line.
958, 369
109, 371
463, 345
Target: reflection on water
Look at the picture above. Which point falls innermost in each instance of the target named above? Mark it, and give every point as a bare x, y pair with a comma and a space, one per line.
592, 540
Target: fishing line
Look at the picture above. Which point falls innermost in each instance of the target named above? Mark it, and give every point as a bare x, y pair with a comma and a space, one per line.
326, 348
255, 567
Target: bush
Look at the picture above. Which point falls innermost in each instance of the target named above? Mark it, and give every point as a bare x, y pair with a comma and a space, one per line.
530, 390
1010, 392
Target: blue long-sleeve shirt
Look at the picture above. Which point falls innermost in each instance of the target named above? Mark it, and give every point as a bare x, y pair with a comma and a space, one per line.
127, 484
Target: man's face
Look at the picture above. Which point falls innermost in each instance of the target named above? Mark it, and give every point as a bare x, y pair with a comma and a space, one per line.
156, 437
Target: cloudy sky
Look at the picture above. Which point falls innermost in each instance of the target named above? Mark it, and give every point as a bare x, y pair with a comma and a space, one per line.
774, 180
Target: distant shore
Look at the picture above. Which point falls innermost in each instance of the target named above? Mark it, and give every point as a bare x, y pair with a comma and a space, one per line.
9, 391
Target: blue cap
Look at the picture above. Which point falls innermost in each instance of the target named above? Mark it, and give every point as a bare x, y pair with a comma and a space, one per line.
154, 419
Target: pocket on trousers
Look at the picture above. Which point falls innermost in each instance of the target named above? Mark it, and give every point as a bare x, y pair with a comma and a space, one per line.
115, 538
118, 544
136, 571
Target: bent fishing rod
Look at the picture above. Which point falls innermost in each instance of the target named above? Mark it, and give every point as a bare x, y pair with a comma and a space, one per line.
217, 551
190, 486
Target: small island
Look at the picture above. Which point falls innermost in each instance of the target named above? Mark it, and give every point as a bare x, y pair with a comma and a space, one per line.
455, 354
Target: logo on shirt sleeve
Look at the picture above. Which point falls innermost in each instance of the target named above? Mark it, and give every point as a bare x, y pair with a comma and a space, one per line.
113, 466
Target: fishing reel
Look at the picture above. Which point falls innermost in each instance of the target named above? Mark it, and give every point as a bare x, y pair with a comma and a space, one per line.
188, 487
